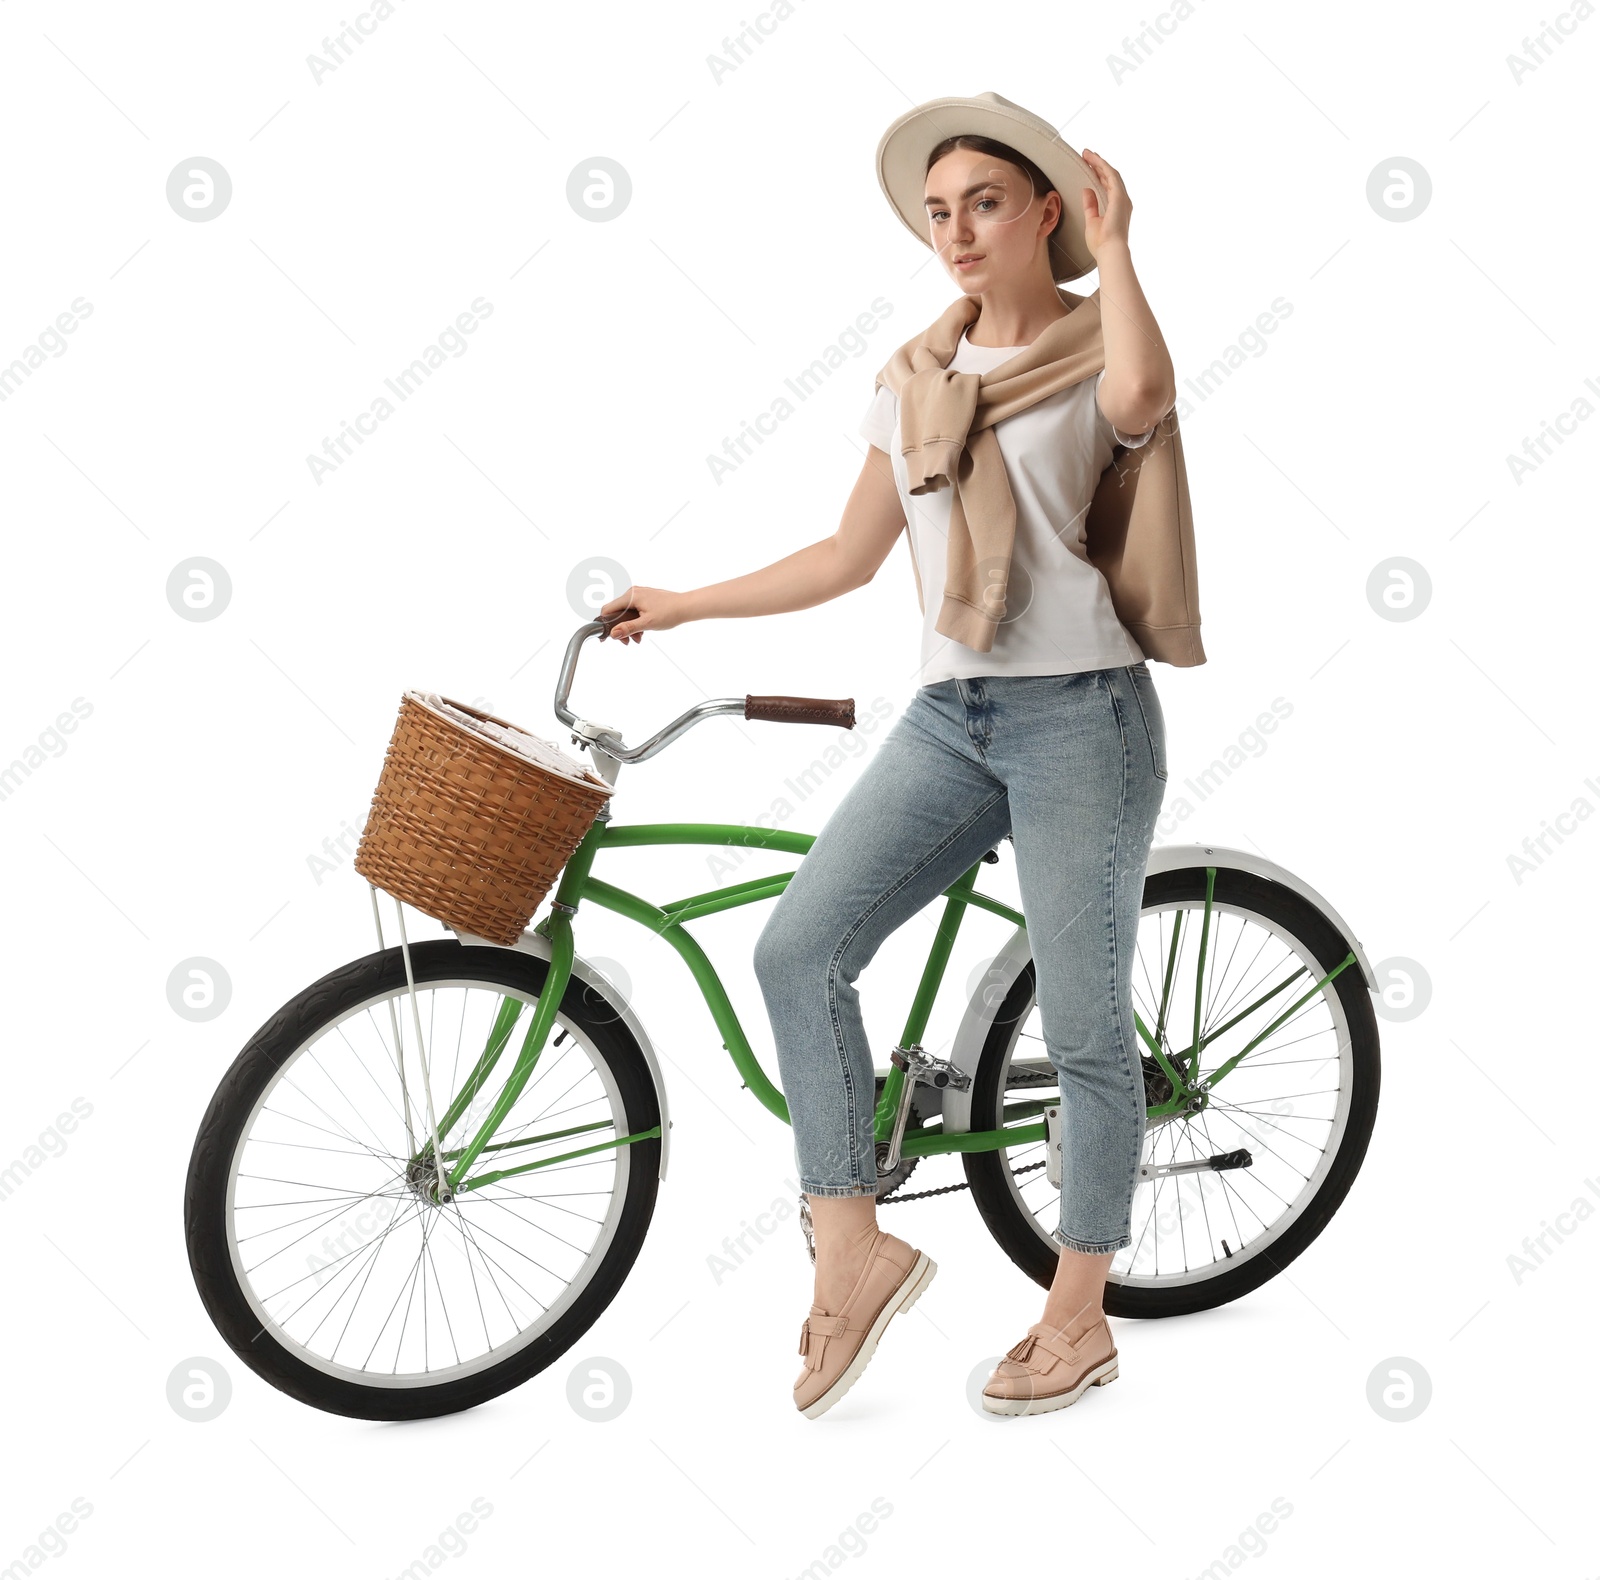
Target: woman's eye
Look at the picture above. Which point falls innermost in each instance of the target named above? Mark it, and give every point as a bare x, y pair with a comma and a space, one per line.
982, 201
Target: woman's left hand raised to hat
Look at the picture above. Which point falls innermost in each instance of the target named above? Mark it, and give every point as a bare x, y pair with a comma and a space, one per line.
1108, 228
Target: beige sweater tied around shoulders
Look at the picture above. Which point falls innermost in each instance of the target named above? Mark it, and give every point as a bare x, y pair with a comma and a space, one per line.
1138, 530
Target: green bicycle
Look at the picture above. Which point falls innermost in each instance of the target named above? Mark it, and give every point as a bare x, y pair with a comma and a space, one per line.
429, 1173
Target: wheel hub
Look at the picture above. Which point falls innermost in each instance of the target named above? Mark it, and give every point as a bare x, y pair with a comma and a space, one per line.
1157, 1083
422, 1177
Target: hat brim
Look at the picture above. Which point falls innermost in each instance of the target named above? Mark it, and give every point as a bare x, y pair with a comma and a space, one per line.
903, 166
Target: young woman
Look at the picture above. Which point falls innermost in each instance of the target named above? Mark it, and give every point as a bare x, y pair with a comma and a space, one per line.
1036, 718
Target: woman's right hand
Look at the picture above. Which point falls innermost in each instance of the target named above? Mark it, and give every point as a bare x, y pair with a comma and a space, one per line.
659, 610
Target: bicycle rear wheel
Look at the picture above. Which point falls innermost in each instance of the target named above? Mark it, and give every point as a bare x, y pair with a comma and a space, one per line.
314, 1237
1302, 1102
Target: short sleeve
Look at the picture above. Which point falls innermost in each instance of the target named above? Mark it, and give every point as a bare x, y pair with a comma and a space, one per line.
1131, 441
882, 418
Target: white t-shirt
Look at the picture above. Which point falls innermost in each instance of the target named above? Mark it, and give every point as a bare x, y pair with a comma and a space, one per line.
1059, 618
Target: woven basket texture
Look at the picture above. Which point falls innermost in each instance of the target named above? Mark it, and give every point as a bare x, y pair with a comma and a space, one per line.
466, 830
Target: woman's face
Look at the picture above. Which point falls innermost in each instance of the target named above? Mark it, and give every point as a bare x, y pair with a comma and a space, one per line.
986, 223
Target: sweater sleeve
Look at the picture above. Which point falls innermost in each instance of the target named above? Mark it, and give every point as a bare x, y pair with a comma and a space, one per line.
1131, 441
881, 421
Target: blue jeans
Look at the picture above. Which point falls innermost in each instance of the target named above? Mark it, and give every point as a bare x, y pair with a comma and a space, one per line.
1073, 767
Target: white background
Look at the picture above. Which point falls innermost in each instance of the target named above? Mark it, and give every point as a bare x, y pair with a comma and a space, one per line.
180, 818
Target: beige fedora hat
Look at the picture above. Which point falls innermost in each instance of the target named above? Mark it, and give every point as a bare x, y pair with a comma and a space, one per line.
903, 166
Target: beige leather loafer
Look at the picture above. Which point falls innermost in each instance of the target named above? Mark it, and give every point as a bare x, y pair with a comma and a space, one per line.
1044, 1372
838, 1345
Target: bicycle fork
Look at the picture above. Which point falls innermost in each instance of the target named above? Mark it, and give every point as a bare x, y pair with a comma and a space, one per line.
450, 1168
422, 1052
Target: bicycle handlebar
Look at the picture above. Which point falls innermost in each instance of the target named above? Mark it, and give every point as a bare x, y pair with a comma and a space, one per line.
839, 711
608, 622
803, 710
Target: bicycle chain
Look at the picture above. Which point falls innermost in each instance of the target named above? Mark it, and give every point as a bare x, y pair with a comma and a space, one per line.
944, 1190
807, 1229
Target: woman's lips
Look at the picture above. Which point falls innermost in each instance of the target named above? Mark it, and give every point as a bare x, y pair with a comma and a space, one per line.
967, 260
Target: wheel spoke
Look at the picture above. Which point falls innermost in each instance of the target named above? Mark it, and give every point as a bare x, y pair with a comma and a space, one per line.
330, 1218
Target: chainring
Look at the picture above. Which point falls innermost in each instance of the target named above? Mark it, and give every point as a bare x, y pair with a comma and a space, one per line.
926, 1103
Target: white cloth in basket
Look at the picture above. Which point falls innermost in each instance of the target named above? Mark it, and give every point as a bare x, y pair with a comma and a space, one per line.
532, 748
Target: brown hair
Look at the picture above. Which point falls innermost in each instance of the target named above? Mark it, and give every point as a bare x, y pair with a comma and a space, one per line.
1042, 184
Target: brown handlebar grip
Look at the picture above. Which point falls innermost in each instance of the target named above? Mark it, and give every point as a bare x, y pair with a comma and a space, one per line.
609, 620
803, 710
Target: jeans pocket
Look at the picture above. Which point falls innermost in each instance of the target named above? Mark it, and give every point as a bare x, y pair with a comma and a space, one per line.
1155, 725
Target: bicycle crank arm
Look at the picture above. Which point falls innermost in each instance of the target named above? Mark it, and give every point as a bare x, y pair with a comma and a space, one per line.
916, 1066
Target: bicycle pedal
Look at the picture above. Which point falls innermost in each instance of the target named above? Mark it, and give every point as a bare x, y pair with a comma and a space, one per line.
930, 1071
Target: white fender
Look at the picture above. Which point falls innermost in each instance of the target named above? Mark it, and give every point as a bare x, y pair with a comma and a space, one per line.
973, 1032
1169, 858
537, 944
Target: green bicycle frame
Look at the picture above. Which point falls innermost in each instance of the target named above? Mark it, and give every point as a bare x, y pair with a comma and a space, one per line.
577, 884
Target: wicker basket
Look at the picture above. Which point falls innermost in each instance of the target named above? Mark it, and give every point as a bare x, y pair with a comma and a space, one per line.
466, 826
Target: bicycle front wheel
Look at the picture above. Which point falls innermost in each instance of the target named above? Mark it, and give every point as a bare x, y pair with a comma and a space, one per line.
1301, 1101
314, 1231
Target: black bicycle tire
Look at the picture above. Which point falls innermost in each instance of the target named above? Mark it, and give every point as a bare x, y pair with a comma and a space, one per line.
205, 1192
1016, 1232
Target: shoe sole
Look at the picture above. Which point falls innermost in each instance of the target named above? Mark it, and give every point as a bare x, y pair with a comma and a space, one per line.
1038, 1404
917, 1280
